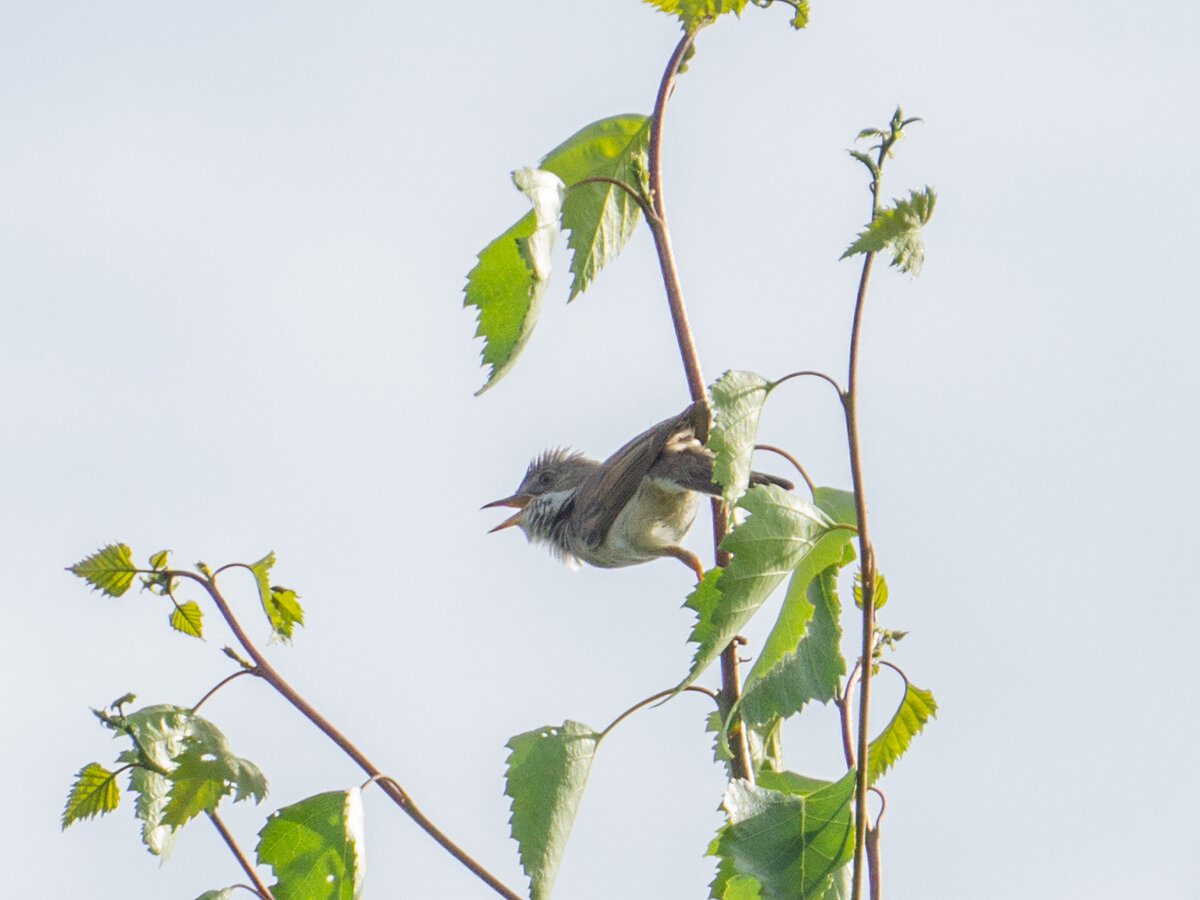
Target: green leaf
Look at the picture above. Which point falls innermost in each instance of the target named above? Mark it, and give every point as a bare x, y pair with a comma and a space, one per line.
283, 612
286, 610
837, 504
792, 841
898, 228
222, 894
315, 847
159, 560
915, 710
600, 218
94, 793
780, 683
737, 401
696, 12
188, 618
881, 590
183, 766
508, 299
110, 569
152, 789
780, 531
546, 773
202, 775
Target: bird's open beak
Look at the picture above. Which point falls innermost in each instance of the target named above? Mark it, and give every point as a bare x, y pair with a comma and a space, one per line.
518, 501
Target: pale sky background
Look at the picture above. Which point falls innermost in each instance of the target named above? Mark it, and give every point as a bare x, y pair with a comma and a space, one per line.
233, 239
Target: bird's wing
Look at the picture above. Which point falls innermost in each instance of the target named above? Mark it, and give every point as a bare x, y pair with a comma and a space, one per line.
602, 498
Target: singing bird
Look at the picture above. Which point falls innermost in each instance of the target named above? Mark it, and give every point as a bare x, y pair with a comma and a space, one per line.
634, 507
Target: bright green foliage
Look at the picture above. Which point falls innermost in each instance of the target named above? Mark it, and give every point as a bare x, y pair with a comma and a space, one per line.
546, 774
110, 569
915, 710
697, 12
792, 837
694, 13
203, 774
279, 603
158, 561
181, 767
508, 298
780, 531
94, 793
315, 847
600, 217
737, 402
881, 590
898, 229
188, 618
810, 669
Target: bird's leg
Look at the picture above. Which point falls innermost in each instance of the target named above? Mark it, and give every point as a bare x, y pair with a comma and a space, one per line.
688, 558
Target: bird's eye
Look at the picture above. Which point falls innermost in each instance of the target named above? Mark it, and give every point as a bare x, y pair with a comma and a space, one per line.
544, 479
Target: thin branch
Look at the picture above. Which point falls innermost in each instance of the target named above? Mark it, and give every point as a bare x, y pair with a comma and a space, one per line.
741, 766
220, 684
647, 209
770, 448
266, 671
260, 888
662, 235
643, 703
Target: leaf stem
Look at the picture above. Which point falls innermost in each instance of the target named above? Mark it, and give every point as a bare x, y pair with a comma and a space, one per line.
643, 703
220, 684
647, 209
812, 372
266, 671
260, 888
770, 448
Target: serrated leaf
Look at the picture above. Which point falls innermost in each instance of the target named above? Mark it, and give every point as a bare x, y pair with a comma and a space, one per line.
780, 684
897, 228
283, 612
110, 569
94, 793
203, 775
545, 777
909, 719
881, 590
165, 738
737, 402
151, 789
287, 611
793, 843
188, 618
780, 530
315, 847
695, 12
600, 218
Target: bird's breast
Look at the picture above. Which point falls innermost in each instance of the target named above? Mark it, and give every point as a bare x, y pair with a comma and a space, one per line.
657, 516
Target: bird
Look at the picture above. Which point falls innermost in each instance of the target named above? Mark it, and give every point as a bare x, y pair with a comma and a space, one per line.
634, 507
